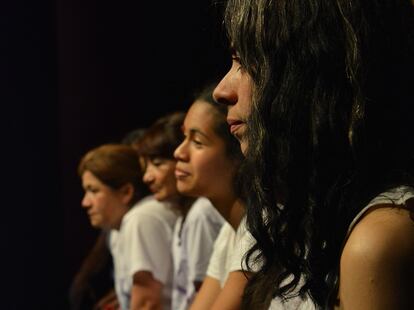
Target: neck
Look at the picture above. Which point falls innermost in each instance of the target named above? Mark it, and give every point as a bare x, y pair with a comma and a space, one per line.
119, 216
182, 204
231, 208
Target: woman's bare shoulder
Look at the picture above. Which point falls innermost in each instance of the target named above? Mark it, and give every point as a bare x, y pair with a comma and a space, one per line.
383, 228
377, 262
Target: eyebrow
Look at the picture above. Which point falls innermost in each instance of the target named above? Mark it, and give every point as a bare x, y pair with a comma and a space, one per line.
194, 131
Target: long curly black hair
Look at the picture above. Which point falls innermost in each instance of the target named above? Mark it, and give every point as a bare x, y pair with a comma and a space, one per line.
330, 129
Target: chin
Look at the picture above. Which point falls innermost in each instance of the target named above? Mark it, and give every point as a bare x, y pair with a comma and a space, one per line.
243, 147
97, 225
188, 191
182, 188
160, 196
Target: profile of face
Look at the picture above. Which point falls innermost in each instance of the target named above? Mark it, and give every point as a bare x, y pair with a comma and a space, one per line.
235, 90
105, 206
203, 166
159, 176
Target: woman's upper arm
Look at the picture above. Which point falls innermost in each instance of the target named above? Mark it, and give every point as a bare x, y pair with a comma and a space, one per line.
146, 292
208, 293
230, 296
377, 263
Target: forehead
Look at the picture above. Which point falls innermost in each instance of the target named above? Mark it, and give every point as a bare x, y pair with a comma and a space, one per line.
201, 116
89, 178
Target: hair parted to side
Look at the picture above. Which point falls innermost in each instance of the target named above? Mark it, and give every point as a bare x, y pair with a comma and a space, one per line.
331, 108
115, 165
163, 137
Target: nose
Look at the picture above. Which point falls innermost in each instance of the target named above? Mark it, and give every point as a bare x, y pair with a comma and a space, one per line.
180, 153
148, 177
86, 203
225, 92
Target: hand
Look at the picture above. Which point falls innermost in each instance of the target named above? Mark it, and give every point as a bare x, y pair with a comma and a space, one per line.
108, 302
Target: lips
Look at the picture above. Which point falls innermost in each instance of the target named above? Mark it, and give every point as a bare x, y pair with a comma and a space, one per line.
234, 126
181, 174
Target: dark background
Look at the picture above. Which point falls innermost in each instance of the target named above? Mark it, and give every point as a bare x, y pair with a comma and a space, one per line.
76, 74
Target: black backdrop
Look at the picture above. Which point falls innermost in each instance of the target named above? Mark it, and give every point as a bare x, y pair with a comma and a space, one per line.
76, 74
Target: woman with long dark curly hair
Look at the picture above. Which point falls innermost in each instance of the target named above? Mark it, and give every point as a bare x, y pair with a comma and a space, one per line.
319, 95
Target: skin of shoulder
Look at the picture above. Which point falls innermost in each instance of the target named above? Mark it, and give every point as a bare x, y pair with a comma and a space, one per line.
377, 262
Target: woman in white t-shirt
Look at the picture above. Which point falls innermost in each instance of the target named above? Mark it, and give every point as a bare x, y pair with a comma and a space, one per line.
112, 180
208, 161
199, 222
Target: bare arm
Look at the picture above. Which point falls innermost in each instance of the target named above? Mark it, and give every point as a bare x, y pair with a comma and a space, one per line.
212, 297
146, 292
208, 293
230, 296
377, 263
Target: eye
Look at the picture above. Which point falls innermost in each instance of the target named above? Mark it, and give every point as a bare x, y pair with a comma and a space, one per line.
157, 161
197, 142
92, 190
236, 58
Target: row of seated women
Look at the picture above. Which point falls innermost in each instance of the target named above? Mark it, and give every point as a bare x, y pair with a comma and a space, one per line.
185, 237
319, 96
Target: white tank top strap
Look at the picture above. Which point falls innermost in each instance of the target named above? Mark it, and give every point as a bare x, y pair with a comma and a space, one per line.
398, 196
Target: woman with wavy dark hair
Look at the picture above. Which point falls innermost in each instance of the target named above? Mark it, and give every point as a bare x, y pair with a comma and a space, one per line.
319, 95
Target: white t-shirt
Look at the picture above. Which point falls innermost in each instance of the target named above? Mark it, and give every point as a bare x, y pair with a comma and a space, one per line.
192, 247
143, 243
229, 251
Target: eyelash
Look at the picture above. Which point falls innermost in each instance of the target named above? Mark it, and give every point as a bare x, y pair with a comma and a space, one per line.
192, 139
237, 59
157, 162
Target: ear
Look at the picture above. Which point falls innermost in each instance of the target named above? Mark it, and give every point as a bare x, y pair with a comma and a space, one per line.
126, 192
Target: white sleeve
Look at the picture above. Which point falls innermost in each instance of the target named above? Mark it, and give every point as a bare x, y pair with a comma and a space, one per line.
218, 257
149, 247
201, 234
244, 241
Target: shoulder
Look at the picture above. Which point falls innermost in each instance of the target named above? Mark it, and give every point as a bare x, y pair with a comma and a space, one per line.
377, 262
150, 214
202, 206
203, 210
384, 232
226, 232
150, 207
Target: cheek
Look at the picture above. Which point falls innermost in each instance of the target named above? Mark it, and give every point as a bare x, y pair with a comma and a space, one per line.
104, 206
161, 176
209, 169
168, 177
171, 183
246, 94
221, 171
